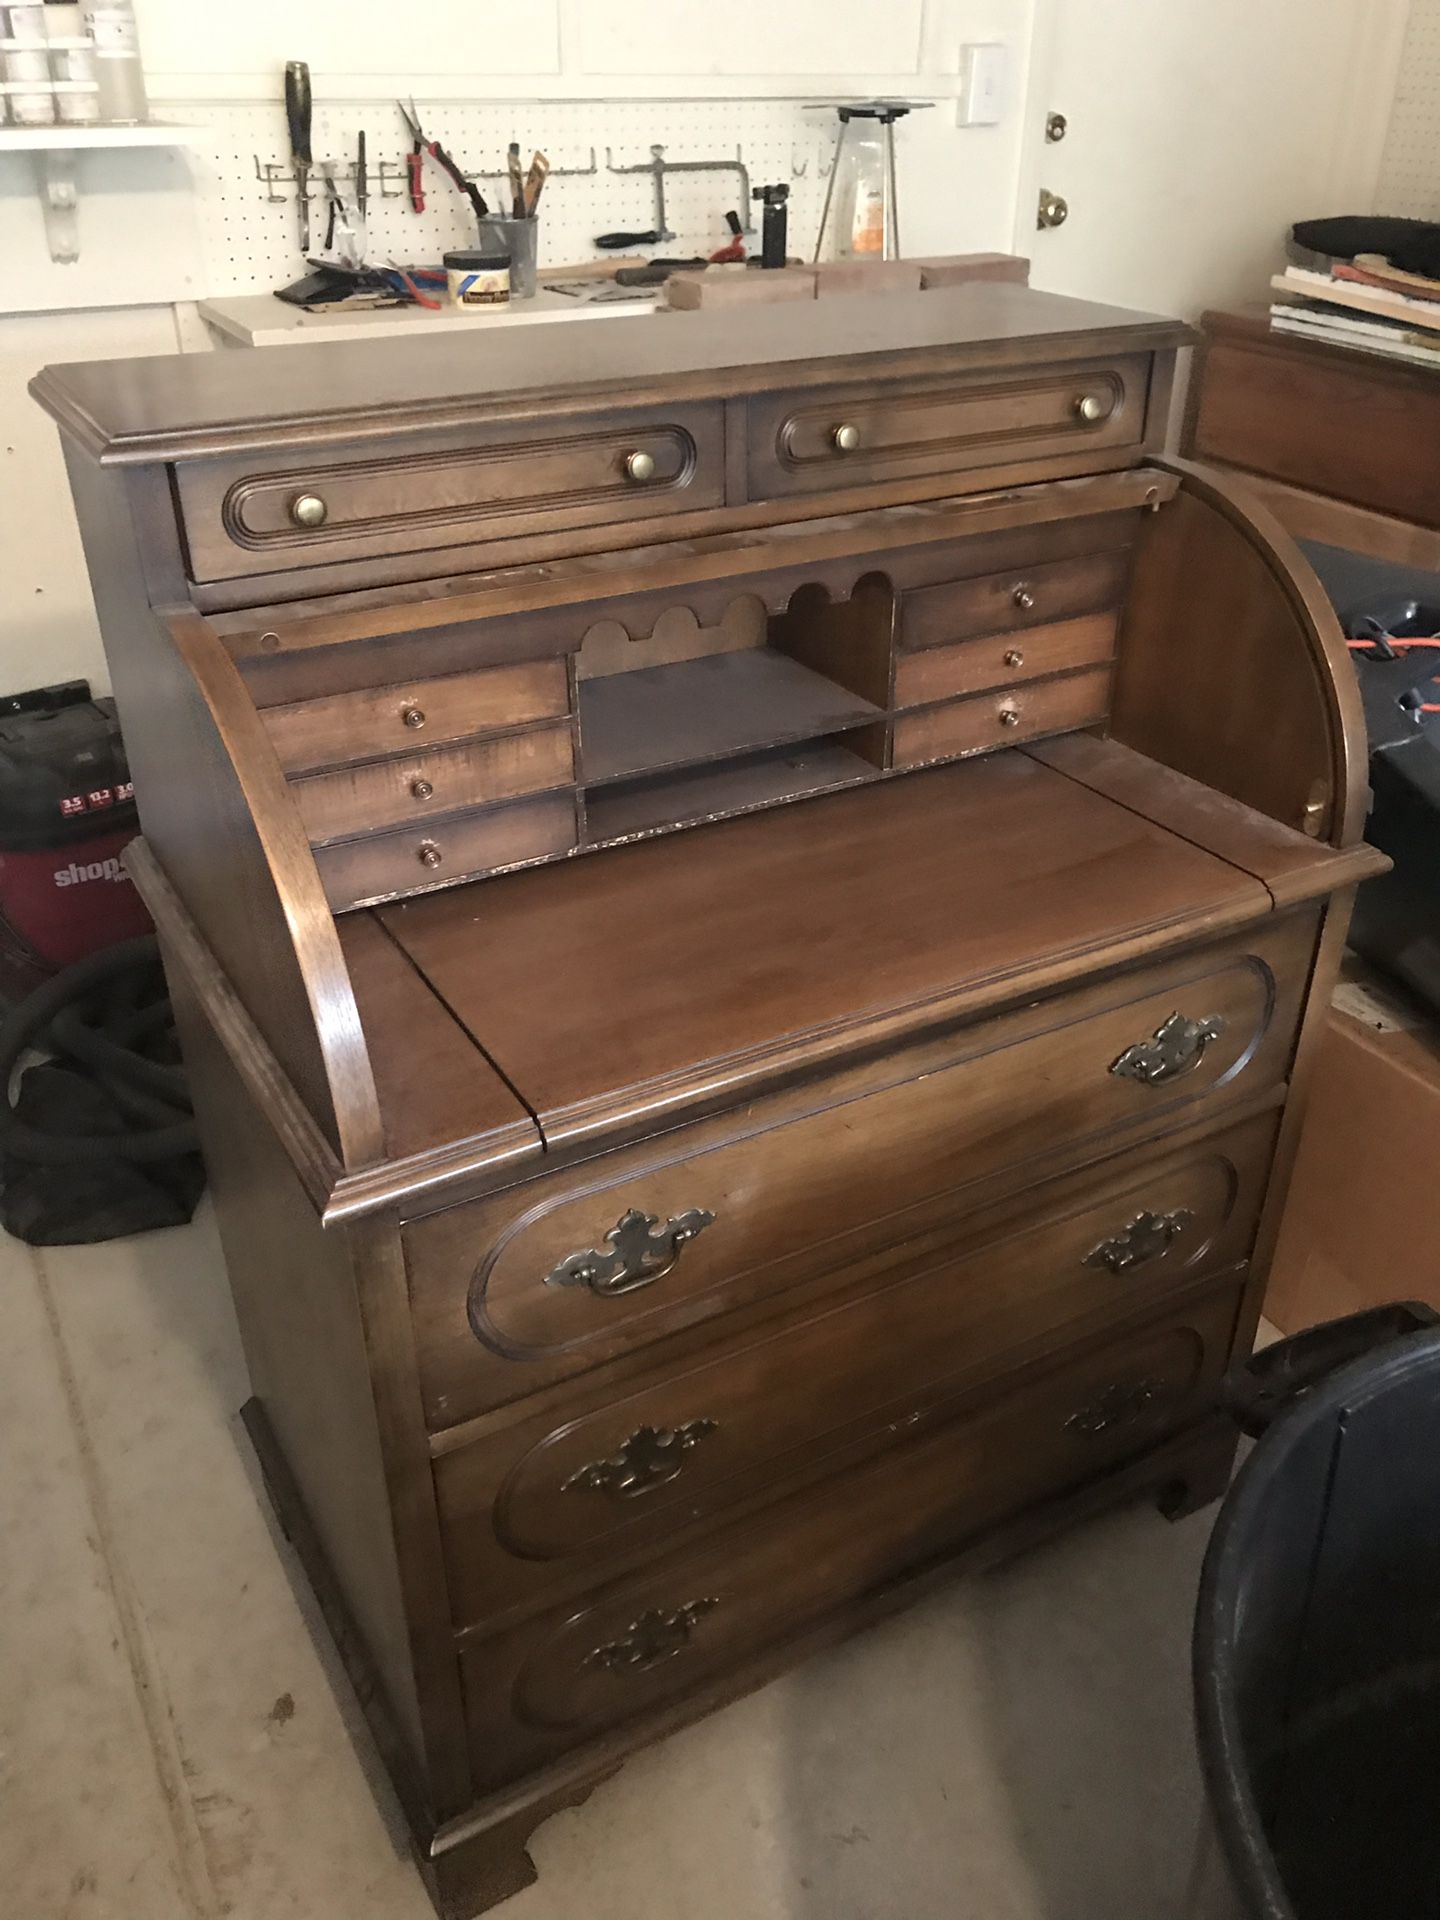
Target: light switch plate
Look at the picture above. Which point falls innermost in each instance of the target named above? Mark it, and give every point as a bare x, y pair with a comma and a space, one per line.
984, 84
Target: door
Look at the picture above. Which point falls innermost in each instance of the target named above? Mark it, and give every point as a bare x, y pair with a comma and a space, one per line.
1195, 133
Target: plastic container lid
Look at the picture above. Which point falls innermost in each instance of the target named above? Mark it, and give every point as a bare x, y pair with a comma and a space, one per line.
474, 261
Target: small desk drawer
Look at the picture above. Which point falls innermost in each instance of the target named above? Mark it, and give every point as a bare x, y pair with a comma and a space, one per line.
1003, 718
826, 440
1003, 659
381, 866
1000, 603
538, 1500
419, 786
337, 729
491, 484
499, 1288
651, 1637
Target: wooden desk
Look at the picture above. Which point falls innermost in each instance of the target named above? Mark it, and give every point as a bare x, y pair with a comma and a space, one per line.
660, 1251
1339, 444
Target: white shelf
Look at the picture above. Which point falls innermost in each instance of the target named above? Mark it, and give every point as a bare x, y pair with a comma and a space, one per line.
54, 150
75, 139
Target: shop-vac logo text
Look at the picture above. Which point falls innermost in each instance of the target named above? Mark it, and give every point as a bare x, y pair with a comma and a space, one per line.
76, 875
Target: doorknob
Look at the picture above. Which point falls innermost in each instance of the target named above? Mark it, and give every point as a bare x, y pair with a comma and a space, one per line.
1052, 211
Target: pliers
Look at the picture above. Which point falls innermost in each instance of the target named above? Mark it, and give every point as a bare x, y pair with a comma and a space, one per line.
415, 162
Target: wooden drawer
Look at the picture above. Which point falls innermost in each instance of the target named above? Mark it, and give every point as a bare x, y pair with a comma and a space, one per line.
650, 1638
908, 429
530, 1505
804, 1193
338, 728
1002, 718
1003, 659
419, 786
382, 865
491, 483
997, 603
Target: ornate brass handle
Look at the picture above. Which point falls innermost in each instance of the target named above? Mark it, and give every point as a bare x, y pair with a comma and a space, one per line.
654, 1637
846, 438
1177, 1046
309, 510
638, 1255
640, 466
650, 1457
1146, 1238
1127, 1400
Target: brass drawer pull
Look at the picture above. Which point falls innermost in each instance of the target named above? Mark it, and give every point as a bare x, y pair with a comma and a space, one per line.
1014, 657
1010, 716
421, 790
638, 1256
1024, 599
1118, 1406
654, 1637
650, 1457
413, 716
1176, 1047
846, 438
309, 510
1146, 1238
640, 466
1091, 408
429, 855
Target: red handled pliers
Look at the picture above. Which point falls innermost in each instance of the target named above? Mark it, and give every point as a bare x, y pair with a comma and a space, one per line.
415, 162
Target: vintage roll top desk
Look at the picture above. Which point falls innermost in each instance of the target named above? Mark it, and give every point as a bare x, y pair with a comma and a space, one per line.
669, 1225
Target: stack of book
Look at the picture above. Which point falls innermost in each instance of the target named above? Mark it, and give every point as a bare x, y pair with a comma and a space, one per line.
1366, 304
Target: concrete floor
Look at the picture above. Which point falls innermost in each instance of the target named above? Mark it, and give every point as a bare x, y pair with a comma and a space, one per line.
176, 1743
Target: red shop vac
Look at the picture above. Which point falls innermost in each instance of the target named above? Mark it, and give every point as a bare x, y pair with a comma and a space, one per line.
97, 1140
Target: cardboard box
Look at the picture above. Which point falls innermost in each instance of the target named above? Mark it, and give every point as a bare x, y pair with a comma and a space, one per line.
1360, 1226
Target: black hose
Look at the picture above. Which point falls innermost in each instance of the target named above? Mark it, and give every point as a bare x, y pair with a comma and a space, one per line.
149, 1085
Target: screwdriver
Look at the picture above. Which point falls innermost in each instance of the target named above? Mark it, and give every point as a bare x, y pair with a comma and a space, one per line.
298, 111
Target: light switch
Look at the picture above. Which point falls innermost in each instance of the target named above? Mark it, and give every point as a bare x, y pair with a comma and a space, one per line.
984, 84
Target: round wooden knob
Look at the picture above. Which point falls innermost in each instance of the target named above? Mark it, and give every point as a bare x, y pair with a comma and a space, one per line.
846, 438
414, 716
1009, 716
1014, 657
430, 854
1090, 408
309, 510
640, 466
1023, 599
421, 789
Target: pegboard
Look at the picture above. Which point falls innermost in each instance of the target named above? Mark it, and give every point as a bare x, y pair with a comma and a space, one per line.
1409, 178
250, 245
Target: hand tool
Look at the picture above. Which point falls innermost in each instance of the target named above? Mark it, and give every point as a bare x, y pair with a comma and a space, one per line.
340, 235
535, 183
421, 145
517, 184
362, 179
774, 222
299, 113
734, 247
622, 242
655, 272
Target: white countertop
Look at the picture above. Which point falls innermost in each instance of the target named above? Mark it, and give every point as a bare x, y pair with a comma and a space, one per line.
260, 320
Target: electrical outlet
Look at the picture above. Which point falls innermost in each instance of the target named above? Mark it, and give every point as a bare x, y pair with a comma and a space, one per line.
984, 84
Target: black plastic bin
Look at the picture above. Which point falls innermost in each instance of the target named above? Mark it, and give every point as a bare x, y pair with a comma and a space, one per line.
1317, 1634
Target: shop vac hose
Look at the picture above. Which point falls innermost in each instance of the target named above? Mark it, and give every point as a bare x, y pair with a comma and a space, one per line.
151, 1093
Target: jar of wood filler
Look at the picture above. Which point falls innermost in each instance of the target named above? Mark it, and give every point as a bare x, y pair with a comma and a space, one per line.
478, 279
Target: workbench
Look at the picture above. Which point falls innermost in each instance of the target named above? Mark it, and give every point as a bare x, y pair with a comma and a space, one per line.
751, 898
